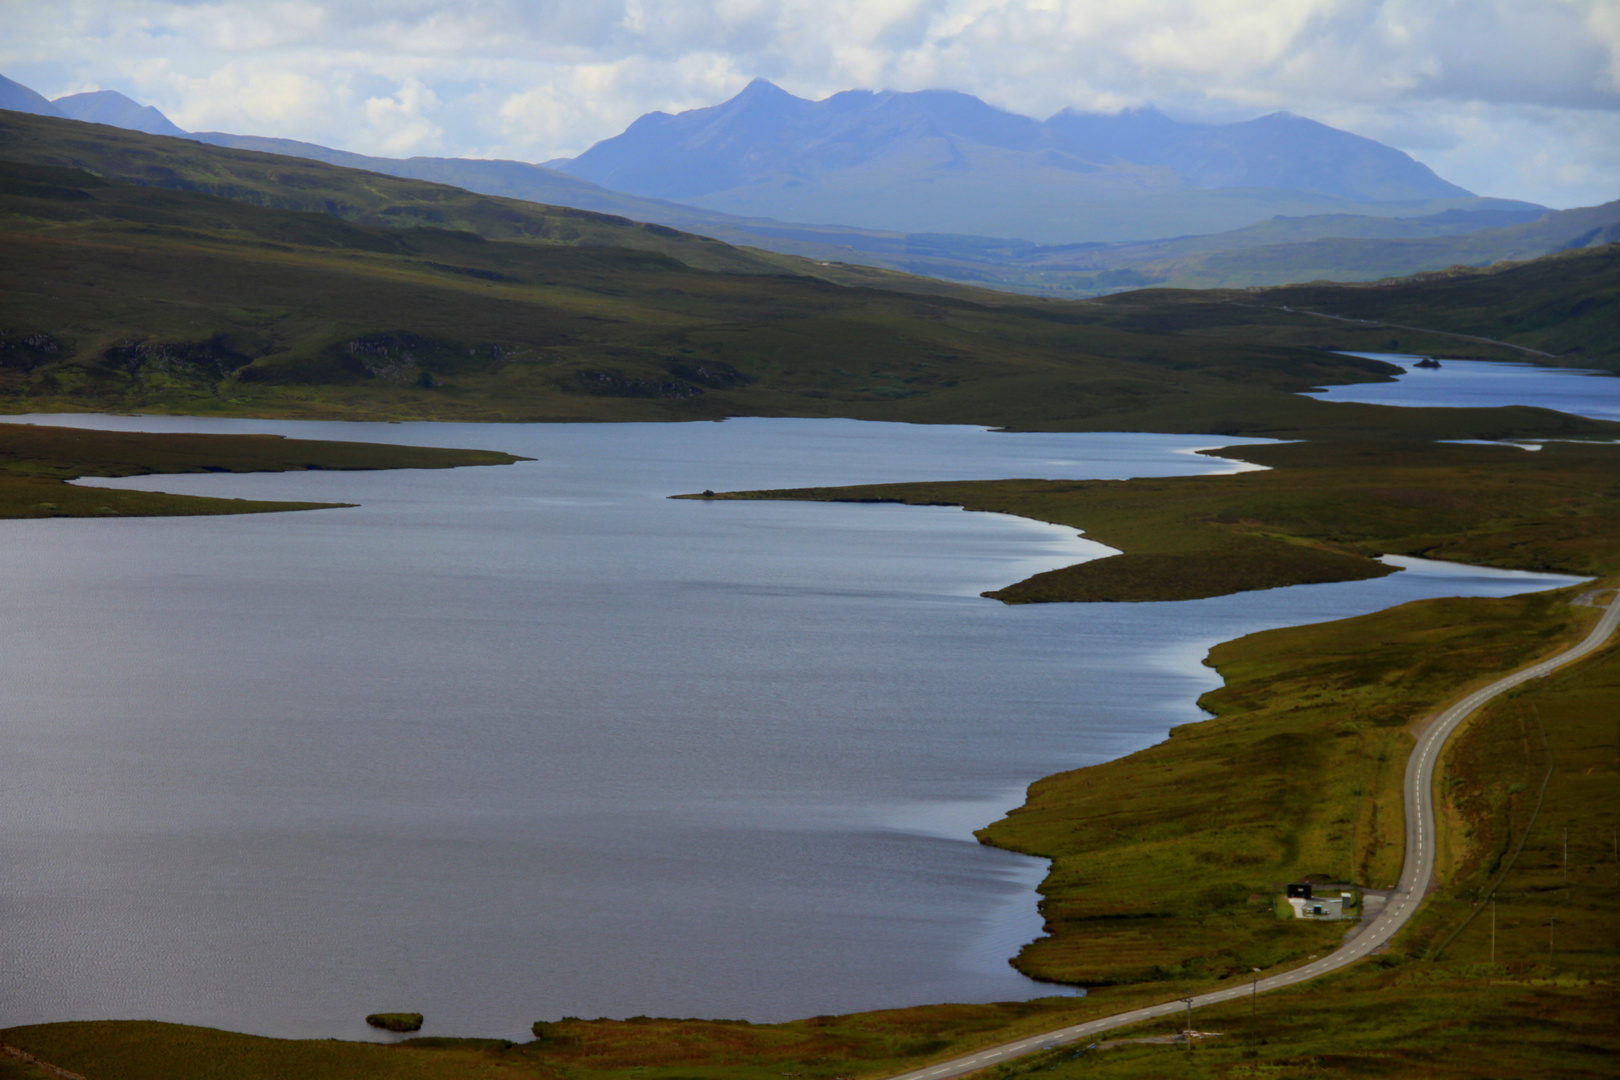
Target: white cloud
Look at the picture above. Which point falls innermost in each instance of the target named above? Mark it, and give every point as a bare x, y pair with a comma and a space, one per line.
1512, 97
398, 123
256, 97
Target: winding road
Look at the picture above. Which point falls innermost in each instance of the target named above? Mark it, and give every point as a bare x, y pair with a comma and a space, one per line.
1424, 330
1416, 876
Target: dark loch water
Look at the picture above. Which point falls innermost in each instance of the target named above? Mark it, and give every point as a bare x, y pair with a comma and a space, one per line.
1459, 383
507, 744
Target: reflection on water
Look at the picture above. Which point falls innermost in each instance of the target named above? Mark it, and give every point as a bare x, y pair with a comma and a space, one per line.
1484, 384
504, 744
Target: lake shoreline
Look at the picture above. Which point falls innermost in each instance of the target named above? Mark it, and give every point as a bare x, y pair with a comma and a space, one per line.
1205, 481
964, 1027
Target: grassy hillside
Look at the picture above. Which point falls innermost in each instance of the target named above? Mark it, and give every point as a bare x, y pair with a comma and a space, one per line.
1019, 265
277, 181
439, 193
1467, 992
1567, 304
1561, 309
286, 183
1332, 248
537, 183
124, 297
1165, 861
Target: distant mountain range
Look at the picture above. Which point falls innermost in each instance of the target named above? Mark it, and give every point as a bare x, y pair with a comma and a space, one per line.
1358, 210
944, 162
19, 98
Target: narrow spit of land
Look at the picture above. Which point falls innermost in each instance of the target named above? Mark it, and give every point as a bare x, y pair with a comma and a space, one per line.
1321, 512
38, 461
1416, 878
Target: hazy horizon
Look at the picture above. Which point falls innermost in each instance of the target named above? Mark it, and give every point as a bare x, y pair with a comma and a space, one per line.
1510, 99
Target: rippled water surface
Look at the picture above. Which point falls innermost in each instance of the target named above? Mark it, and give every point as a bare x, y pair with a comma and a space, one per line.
504, 744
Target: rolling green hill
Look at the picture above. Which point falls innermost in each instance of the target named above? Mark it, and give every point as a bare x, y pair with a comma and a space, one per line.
277, 181
282, 174
1282, 250
159, 274
146, 298
285, 174
1279, 249
284, 183
1566, 304
1266, 255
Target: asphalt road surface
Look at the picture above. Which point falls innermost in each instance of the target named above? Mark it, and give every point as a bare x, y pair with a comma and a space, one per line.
1416, 876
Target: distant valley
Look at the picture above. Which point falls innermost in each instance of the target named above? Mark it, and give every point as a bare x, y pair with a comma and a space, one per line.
1355, 210
152, 273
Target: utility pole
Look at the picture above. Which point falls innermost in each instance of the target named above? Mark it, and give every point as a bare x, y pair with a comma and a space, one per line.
1493, 929
1566, 856
1552, 926
1254, 1003
1188, 1032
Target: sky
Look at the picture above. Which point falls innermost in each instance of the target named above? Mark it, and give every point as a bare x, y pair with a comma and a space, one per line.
1512, 98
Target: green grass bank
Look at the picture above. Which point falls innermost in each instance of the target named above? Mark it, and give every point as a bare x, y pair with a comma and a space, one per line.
1320, 512
37, 461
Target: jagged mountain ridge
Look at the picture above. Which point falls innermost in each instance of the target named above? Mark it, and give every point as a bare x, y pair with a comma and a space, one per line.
947, 162
766, 135
1280, 150
991, 261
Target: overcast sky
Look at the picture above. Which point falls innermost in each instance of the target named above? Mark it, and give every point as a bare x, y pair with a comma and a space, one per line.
1516, 98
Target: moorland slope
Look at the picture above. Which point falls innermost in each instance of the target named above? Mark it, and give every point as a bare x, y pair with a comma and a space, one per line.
1353, 242
160, 274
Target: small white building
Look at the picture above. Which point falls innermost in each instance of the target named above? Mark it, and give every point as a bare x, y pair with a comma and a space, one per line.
1329, 906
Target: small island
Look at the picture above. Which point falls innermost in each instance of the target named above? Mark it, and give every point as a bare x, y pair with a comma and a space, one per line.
397, 1022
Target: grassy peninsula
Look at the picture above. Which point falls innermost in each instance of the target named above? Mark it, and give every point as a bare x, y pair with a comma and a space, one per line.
1319, 512
1165, 861
1511, 967
37, 461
